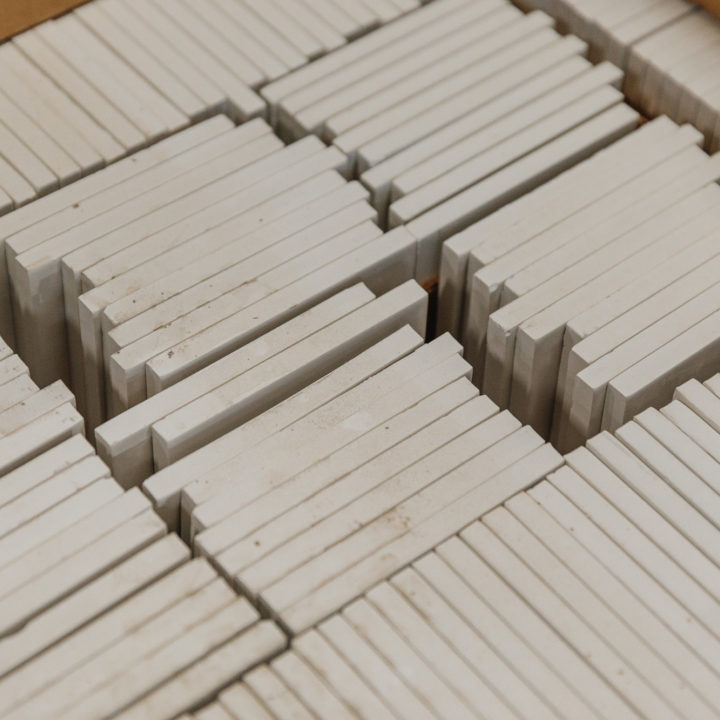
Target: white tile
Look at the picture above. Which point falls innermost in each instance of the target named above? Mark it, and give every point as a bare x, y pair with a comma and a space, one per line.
481, 199
573, 628
32, 504
56, 226
43, 467
138, 421
323, 488
38, 436
520, 615
604, 603
107, 634
66, 566
632, 574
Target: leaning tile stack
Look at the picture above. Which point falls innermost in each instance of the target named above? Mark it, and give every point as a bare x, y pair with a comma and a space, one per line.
607, 562
66, 208
32, 420
185, 260
229, 392
453, 111
312, 503
70, 104
668, 50
426, 644
593, 594
102, 612
591, 298
115, 75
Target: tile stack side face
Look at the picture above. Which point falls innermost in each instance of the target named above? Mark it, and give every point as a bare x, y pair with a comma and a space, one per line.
589, 299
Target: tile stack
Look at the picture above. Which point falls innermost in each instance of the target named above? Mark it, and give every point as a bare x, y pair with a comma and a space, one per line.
612, 29
113, 76
453, 111
674, 72
311, 503
668, 50
589, 299
103, 612
593, 594
265, 371
194, 247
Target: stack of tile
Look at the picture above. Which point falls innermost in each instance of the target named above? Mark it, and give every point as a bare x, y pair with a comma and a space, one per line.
668, 50
104, 613
31, 420
169, 270
612, 28
453, 111
594, 594
115, 75
308, 505
612, 559
606, 562
65, 209
211, 402
674, 71
590, 298
70, 104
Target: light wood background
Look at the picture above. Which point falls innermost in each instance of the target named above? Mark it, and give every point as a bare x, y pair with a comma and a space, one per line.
18, 15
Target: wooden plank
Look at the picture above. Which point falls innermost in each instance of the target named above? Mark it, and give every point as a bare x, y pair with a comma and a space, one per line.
19, 15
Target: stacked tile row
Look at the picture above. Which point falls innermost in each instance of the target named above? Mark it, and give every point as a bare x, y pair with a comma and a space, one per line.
593, 594
309, 504
32, 420
668, 50
188, 251
672, 72
113, 76
592, 297
103, 613
451, 112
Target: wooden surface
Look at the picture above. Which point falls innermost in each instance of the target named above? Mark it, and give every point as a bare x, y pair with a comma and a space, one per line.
712, 5
18, 15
